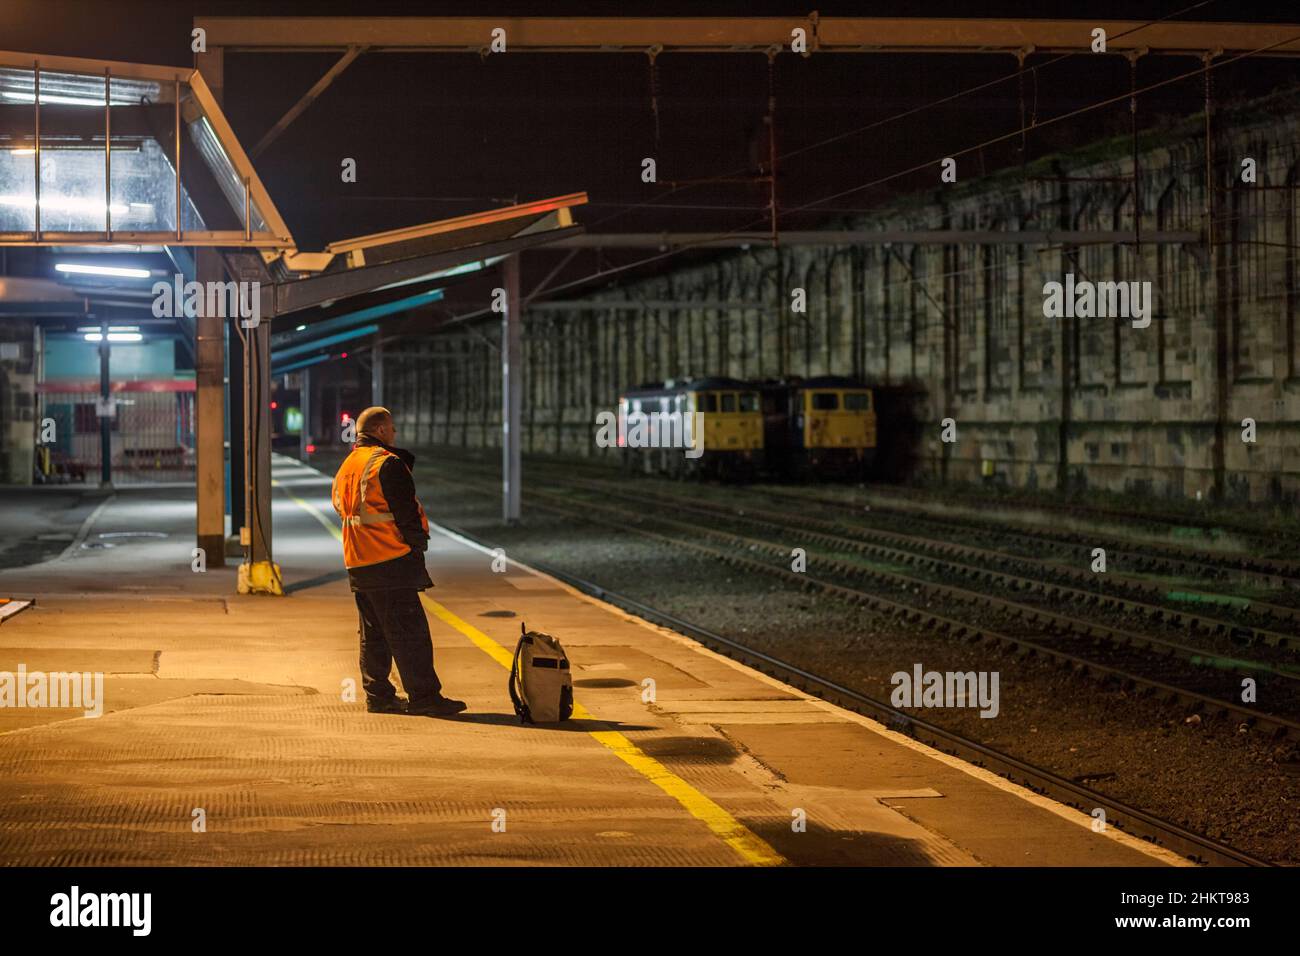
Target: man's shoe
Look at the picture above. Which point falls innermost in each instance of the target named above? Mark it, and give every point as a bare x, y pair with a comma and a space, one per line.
392, 705
438, 707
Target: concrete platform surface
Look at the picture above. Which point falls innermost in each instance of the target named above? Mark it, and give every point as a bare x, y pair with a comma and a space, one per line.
227, 737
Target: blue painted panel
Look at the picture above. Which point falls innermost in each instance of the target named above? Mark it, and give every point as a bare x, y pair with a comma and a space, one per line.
75, 358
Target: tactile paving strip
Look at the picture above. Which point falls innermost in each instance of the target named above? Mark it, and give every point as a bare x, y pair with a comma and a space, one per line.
310, 780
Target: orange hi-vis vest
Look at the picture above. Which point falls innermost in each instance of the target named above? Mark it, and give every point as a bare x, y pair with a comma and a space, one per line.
370, 534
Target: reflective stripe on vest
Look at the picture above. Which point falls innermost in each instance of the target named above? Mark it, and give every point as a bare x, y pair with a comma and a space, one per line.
370, 533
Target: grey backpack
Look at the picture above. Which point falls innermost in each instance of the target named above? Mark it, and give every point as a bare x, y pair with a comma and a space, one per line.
541, 683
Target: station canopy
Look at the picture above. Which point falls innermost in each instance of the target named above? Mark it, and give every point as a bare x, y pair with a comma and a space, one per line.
94, 152
90, 152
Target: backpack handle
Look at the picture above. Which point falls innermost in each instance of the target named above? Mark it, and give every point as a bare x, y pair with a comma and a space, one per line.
521, 709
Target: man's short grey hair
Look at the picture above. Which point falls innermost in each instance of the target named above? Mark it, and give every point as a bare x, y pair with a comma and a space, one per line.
368, 422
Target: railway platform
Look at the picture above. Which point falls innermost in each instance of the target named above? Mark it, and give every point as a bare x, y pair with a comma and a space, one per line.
228, 736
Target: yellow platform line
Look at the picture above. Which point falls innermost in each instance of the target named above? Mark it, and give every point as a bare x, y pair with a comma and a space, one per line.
751, 847
748, 845
312, 510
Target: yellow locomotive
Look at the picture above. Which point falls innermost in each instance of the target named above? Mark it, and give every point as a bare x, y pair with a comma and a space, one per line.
813, 427
819, 426
660, 427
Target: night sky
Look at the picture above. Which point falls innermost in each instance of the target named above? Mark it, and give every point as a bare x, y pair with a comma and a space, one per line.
438, 135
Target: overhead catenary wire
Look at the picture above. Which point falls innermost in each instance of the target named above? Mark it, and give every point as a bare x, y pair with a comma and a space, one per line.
703, 243
1109, 101
952, 97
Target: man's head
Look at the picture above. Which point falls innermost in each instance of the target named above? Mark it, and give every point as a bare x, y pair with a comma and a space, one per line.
377, 422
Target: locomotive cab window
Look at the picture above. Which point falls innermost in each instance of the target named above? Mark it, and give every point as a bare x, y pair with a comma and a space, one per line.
825, 401
728, 401
706, 402
749, 401
857, 401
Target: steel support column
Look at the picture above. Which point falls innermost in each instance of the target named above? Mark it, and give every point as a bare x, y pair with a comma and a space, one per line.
377, 372
258, 574
209, 419
511, 391
1216, 300
235, 457
107, 412
1068, 352
304, 405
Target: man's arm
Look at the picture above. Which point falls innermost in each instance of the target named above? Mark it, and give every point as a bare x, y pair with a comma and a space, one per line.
399, 489
334, 497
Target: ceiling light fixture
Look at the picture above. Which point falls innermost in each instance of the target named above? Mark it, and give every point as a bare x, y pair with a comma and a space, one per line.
78, 268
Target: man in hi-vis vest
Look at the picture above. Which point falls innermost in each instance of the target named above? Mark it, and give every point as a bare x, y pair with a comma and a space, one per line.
385, 535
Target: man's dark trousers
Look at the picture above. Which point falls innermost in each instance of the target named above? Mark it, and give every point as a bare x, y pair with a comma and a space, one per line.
393, 627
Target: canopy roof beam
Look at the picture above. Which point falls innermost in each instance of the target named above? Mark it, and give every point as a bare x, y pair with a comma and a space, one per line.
644, 305
742, 35
319, 87
867, 237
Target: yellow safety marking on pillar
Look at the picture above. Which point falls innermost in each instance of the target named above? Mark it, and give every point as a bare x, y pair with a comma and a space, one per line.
751, 847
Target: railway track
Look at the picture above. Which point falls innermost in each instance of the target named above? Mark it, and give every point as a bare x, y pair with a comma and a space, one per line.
1133, 820
1154, 558
1026, 619
1167, 521
1039, 582
1124, 657
973, 563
